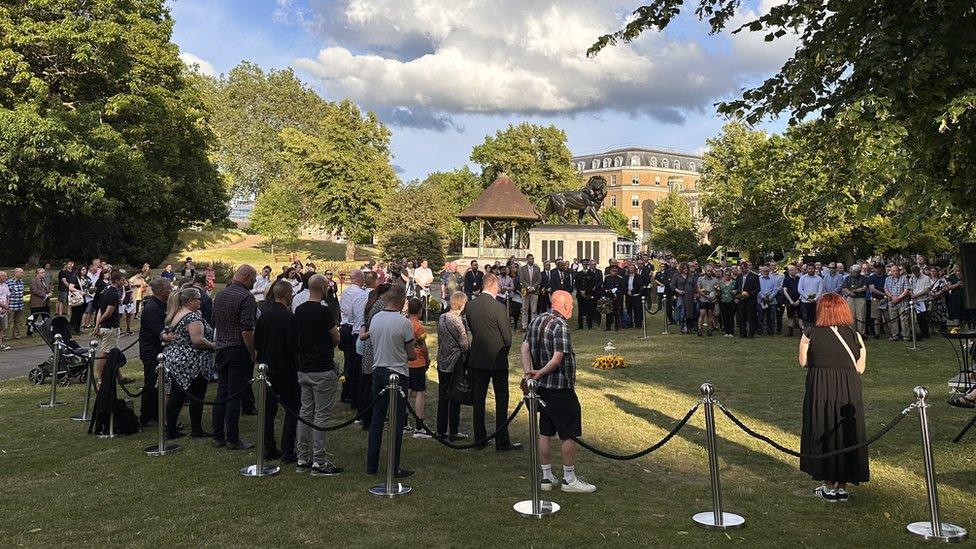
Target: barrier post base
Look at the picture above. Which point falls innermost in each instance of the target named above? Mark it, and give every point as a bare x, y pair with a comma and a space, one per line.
156, 450
80, 417
950, 532
50, 404
524, 508
380, 490
266, 471
729, 520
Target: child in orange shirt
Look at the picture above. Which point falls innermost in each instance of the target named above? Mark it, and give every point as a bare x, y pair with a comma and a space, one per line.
418, 366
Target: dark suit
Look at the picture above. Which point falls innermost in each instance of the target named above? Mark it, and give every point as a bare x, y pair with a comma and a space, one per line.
634, 291
544, 292
491, 339
276, 342
473, 282
747, 311
560, 280
610, 283
587, 292
153, 322
664, 278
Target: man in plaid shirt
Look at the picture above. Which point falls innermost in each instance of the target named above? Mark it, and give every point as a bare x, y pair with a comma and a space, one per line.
16, 285
897, 290
548, 357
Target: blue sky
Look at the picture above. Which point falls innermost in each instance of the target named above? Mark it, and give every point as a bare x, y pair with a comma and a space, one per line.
445, 73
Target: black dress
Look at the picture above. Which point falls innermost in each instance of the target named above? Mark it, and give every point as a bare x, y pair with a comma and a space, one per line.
833, 414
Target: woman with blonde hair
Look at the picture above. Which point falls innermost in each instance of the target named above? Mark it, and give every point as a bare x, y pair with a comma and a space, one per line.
189, 360
453, 343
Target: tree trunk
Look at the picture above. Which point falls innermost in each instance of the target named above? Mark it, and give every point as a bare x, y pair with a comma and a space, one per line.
350, 250
272, 251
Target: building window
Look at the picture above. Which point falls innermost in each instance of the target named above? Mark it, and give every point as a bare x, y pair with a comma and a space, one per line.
657, 180
613, 180
665, 164
677, 164
595, 165
613, 201
635, 222
691, 166
606, 162
618, 161
635, 200
552, 250
653, 161
635, 160
581, 166
634, 180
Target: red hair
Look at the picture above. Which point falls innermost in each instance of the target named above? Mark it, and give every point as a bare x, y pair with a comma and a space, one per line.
832, 310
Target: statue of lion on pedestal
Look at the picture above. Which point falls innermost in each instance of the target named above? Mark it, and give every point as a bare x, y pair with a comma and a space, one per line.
585, 201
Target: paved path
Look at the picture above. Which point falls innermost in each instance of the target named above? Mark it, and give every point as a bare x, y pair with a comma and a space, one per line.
19, 360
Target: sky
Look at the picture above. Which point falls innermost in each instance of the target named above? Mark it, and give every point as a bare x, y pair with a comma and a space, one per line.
443, 74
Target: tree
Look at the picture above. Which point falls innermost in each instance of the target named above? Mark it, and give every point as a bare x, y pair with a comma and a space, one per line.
414, 208
276, 214
535, 157
250, 109
455, 191
893, 84
616, 220
673, 228
344, 168
425, 243
103, 144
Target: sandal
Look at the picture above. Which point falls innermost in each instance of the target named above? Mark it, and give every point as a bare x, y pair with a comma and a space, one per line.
961, 401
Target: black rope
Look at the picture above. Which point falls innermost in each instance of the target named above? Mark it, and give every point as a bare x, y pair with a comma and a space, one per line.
894, 421
446, 440
344, 424
905, 312
232, 395
132, 395
618, 457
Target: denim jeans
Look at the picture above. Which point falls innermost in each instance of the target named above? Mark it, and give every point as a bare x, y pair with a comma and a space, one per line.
318, 401
381, 377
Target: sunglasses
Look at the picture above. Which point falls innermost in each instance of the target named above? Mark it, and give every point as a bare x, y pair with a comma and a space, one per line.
328, 273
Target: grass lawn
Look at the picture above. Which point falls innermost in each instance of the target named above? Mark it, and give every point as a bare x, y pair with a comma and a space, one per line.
62, 487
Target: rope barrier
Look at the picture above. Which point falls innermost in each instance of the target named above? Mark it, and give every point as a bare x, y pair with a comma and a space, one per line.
132, 395
446, 440
232, 395
904, 312
626, 457
891, 425
291, 412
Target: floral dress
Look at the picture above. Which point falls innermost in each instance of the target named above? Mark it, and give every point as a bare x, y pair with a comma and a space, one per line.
939, 313
184, 361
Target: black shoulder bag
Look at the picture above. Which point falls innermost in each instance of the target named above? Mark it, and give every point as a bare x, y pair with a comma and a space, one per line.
461, 390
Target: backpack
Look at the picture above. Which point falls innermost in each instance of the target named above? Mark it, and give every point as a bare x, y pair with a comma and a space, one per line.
124, 422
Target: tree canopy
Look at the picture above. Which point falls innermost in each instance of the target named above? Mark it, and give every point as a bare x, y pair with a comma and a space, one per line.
276, 214
616, 220
344, 166
673, 228
535, 157
892, 83
103, 145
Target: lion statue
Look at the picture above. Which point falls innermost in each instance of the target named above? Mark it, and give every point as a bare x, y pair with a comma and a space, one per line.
585, 201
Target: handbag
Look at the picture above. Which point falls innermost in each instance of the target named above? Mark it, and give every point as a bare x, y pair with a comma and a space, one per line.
461, 391
76, 298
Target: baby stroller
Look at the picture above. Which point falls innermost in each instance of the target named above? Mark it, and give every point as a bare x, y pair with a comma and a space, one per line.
73, 366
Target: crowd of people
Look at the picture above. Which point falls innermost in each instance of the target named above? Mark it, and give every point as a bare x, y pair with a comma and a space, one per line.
295, 320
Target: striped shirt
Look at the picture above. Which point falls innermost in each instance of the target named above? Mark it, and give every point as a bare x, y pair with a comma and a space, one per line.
896, 286
542, 345
16, 294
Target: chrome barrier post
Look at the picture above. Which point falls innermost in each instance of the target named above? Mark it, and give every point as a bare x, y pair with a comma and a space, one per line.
716, 518
391, 488
259, 469
161, 449
535, 507
934, 528
912, 317
89, 383
53, 402
667, 307
644, 319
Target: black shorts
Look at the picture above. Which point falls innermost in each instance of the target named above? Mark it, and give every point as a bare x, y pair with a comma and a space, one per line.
562, 411
418, 379
703, 306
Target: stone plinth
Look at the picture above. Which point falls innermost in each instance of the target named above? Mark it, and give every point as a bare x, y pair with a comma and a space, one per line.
549, 242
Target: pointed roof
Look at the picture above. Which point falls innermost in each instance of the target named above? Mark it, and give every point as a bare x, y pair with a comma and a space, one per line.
501, 200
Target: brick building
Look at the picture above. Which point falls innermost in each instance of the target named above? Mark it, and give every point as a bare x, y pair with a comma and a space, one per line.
638, 177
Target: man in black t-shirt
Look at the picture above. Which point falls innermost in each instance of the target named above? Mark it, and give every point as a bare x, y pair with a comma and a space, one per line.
107, 322
276, 343
317, 376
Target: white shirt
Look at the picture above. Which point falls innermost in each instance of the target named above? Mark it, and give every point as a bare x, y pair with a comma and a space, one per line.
423, 276
810, 285
351, 305
298, 299
260, 285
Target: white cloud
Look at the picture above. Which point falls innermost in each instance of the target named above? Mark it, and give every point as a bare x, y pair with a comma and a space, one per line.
202, 65
520, 56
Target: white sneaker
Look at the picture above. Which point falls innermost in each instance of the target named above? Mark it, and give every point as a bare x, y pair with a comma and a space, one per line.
420, 434
578, 485
546, 484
